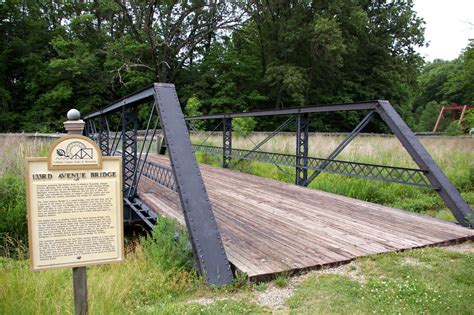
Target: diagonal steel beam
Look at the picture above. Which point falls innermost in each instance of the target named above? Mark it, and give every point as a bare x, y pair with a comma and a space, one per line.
209, 252
450, 195
270, 136
342, 145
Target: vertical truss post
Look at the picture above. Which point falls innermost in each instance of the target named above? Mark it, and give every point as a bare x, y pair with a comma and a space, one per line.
129, 149
446, 190
226, 142
208, 249
302, 139
104, 133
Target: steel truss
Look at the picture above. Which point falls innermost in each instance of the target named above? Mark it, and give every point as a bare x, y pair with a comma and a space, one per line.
302, 141
104, 135
226, 143
429, 175
183, 176
400, 175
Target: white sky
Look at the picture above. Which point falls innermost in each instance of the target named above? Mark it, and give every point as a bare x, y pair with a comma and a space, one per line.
447, 28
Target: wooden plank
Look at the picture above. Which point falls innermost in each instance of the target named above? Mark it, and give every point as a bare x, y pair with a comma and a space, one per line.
269, 227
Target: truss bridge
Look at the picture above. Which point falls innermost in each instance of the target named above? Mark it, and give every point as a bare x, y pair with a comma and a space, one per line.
243, 223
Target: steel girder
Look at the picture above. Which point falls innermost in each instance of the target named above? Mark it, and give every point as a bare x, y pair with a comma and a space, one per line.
104, 135
302, 141
129, 149
446, 190
202, 227
183, 176
400, 175
227, 142
342, 145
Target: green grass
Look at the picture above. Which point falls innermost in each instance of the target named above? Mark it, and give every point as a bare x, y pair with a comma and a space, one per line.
281, 281
157, 276
137, 286
424, 281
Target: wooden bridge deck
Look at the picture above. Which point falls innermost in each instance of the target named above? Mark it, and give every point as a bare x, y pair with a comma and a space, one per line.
269, 227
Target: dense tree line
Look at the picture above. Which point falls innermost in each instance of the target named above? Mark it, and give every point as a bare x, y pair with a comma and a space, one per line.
222, 56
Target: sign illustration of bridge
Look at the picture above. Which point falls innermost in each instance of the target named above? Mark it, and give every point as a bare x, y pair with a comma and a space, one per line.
243, 223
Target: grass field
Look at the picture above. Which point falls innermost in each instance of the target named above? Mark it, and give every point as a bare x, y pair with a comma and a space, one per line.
157, 277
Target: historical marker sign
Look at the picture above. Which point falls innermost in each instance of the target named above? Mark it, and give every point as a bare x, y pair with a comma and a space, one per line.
74, 206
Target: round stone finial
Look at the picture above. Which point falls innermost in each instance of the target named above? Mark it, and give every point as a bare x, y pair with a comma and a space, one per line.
73, 114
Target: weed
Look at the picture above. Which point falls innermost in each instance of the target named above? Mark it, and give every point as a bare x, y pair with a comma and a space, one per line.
260, 287
281, 281
168, 246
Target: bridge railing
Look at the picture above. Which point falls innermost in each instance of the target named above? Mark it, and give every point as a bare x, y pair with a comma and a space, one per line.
428, 175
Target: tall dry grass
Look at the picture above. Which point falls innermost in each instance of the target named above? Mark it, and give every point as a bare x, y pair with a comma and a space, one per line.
14, 148
385, 149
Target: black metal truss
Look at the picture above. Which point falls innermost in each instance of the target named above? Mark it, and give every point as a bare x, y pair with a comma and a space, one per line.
160, 174
401, 175
91, 130
226, 142
446, 190
129, 150
104, 135
343, 144
139, 211
302, 140
256, 147
183, 177
208, 249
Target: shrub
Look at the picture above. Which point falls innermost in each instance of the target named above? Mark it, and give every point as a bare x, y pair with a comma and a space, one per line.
243, 126
281, 281
168, 246
454, 129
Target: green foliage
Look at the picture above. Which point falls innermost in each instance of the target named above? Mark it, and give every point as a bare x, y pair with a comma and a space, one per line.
168, 246
279, 54
454, 129
281, 281
444, 82
428, 116
469, 119
13, 225
192, 108
242, 126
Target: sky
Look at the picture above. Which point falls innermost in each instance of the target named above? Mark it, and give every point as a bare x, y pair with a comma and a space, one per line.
447, 28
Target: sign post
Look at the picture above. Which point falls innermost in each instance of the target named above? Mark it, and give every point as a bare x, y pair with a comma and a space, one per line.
75, 215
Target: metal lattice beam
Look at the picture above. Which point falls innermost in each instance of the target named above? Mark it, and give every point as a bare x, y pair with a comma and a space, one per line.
160, 174
129, 149
401, 175
227, 142
104, 133
302, 141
